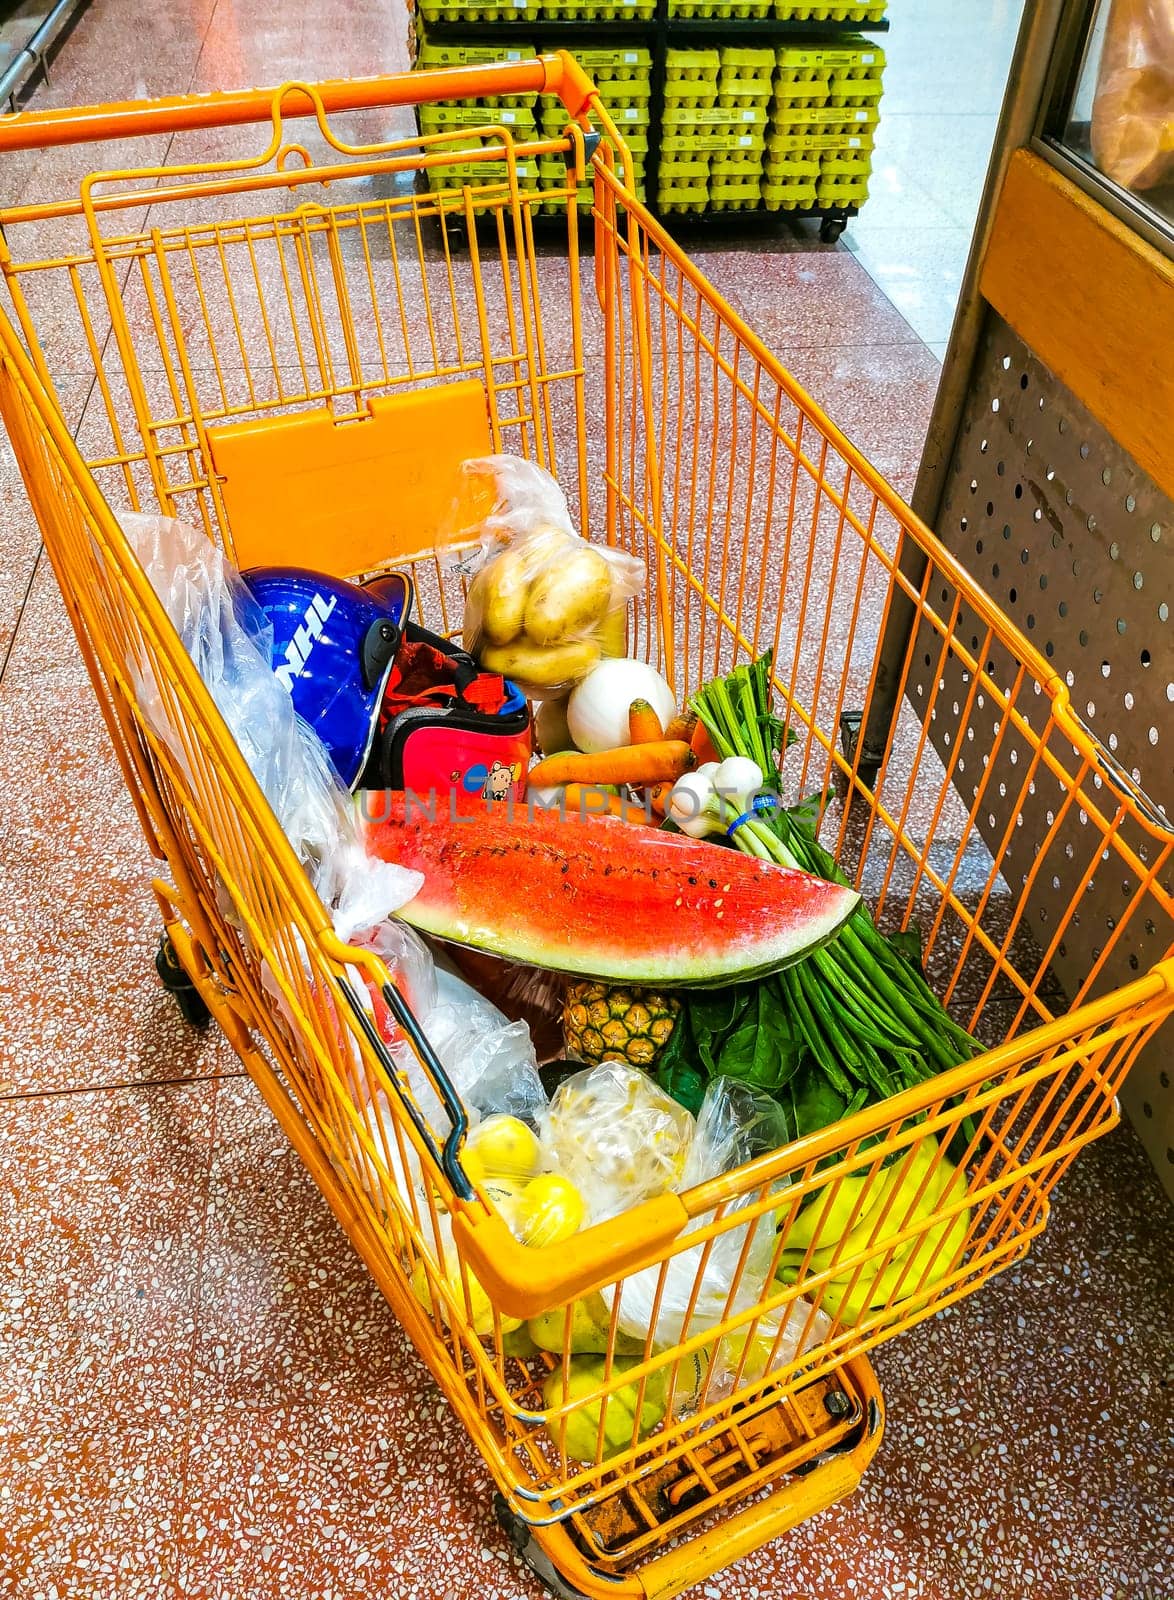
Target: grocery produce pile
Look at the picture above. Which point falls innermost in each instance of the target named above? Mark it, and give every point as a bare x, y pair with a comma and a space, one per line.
636, 964
700, 981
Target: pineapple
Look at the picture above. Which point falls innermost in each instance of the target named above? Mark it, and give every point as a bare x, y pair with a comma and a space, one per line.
604, 1023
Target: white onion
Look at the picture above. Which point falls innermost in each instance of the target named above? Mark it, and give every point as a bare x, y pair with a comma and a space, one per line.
693, 805
597, 712
737, 780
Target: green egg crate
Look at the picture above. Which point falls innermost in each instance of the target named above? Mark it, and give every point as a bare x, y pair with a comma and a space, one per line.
691, 168
842, 191
542, 10
682, 196
737, 92
745, 10
631, 120
497, 102
676, 141
846, 163
801, 86
790, 169
736, 194
743, 165
842, 121
747, 61
611, 65
734, 120
479, 173
849, 91
690, 78
689, 93
476, 10
598, 10
450, 53
781, 141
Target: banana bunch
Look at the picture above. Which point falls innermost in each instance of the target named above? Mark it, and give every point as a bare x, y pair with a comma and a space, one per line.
585, 1377
889, 1205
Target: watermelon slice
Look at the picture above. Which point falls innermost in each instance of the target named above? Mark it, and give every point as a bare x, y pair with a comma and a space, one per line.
606, 899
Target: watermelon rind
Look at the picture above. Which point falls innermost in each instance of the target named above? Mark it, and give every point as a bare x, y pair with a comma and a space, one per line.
610, 900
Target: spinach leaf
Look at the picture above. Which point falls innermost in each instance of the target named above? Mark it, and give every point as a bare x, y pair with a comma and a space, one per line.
814, 1102
737, 1052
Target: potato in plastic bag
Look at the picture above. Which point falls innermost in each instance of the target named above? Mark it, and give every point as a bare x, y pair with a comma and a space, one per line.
617, 1136
543, 604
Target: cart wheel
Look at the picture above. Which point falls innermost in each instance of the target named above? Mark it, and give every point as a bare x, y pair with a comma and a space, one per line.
539, 1564
831, 228
177, 983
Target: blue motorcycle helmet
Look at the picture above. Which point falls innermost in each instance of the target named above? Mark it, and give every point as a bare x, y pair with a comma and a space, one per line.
334, 645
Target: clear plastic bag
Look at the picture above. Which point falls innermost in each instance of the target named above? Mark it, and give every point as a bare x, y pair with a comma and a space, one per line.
766, 1344
617, 1136
1132, 129
526, 994
490, 1060
230, 642
735, 1123
543, 603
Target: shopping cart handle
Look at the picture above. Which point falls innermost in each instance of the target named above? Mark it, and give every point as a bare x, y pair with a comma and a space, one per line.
447, 1159
523, 1280
555, 74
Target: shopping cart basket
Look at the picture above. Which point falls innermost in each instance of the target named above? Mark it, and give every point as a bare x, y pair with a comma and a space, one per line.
274, 337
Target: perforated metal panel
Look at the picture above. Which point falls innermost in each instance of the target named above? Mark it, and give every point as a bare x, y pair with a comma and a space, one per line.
1070, 537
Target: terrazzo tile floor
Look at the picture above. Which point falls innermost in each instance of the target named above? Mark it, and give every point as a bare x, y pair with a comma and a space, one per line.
201, 1391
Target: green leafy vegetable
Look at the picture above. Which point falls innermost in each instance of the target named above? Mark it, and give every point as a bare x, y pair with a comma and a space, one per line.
853, 1023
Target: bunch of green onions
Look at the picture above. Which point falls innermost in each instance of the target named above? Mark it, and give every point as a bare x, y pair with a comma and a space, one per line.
867, 1016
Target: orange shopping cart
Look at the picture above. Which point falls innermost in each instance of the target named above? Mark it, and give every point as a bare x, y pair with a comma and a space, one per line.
278, 333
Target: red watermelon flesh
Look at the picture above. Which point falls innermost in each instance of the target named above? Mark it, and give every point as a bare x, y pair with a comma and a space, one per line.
606, 900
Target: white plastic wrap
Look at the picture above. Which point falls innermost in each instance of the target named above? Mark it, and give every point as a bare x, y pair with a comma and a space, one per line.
735, 1123
230, 642
617, 1136
767, 1344
543, 604
489, 1060
1132, 130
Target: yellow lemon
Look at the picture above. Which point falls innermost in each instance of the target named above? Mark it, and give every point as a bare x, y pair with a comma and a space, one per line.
550, 1210
505, 1195
504, 1147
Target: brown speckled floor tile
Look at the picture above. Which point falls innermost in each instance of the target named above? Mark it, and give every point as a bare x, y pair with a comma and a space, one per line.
288, 1313
88, 1508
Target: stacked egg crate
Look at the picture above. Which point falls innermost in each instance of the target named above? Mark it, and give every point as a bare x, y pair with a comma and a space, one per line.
829, 10
623, 76
824, 112
714, 127
783, 10
515, 112
513, 11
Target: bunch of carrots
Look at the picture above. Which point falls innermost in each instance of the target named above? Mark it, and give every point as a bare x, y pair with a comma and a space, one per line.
647, 766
